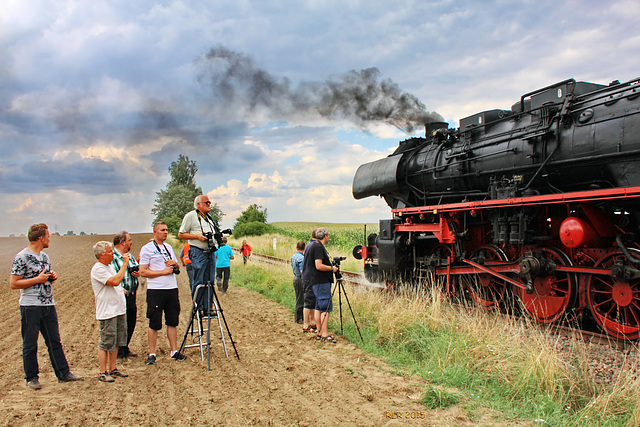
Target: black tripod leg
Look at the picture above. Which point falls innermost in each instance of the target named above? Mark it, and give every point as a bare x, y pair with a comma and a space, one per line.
350, 309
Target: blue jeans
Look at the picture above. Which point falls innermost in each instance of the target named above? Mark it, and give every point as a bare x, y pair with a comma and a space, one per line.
299, 290
35, 320
203, 272
189, 268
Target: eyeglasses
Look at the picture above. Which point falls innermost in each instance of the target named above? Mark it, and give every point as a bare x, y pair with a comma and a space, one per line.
206, 203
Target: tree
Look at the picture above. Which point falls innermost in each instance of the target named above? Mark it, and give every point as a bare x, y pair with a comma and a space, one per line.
176, 200
252, 222
253, 213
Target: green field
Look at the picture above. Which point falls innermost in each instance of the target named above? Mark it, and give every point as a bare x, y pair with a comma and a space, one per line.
342, 239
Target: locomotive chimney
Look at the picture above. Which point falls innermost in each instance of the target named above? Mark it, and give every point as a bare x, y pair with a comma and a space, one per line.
430, 128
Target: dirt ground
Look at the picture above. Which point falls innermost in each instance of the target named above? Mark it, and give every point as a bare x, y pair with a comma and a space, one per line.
283, 377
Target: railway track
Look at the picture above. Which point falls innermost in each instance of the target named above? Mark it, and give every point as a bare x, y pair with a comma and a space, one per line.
348, 277
585, 335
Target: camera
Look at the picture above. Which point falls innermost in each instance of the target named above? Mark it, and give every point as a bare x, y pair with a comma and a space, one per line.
133, 268
50, 278
176, 269
211, 245
336, 262
337, 259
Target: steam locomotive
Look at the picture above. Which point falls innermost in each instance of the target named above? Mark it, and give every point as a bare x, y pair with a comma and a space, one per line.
538, 204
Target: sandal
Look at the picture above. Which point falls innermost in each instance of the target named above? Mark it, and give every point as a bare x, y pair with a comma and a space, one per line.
318, 337
330, 339
307, 329
313, 328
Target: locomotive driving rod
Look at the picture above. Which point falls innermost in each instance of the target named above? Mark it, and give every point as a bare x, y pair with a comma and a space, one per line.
530, 267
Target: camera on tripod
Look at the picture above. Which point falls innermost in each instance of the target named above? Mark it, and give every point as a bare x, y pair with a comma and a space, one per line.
336, 262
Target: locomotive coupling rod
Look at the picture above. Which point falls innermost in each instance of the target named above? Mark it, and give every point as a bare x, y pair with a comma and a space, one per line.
495, 273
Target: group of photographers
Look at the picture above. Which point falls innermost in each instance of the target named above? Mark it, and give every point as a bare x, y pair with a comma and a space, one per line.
313, 275
114, 278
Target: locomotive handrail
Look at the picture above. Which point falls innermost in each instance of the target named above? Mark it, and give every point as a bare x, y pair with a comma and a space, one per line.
542, 90
577, 196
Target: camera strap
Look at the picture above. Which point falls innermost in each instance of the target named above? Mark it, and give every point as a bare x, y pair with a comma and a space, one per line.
207, 219
167, 255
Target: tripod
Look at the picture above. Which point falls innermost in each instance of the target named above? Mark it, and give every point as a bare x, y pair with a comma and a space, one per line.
340, 287
215, 311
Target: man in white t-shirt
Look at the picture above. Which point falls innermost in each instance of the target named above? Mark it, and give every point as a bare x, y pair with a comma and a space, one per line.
158, 263
111, 309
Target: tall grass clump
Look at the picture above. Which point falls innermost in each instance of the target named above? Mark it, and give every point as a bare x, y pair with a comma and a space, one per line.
504, 363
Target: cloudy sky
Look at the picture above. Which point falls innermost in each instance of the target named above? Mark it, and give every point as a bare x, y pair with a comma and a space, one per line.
278, 102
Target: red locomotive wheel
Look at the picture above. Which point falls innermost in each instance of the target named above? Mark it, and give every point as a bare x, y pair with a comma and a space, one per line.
615, 304
553, 294
485, 289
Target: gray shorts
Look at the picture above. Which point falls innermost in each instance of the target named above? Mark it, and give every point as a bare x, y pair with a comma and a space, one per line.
113, 333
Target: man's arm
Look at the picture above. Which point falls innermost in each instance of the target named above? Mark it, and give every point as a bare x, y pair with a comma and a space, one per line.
321, 267
119, 277
190, 236
17, 282
145, 272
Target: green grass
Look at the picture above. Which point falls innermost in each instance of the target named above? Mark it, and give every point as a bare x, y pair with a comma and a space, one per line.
468, 357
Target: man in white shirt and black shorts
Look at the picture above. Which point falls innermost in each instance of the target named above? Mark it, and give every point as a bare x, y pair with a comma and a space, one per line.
158, 263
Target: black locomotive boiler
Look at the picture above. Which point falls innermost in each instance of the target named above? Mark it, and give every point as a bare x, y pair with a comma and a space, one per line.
539, 203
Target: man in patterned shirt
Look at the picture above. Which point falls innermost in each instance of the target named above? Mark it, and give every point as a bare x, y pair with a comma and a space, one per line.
122, 245
31, 273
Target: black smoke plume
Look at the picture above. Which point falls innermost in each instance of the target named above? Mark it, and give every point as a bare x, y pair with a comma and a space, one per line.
362, 97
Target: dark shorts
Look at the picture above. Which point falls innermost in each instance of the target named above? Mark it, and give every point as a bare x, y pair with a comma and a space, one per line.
113, 333
323, 297
309, 296
162, 300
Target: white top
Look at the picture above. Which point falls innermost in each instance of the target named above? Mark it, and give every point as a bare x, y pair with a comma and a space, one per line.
191, 224
110, 300
154, 260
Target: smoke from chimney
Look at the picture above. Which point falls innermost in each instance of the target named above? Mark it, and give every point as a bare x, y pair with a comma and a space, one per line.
362, 97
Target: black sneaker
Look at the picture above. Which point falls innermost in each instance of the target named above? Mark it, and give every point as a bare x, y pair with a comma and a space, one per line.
34, 384
70, 377
179, 356
151, 360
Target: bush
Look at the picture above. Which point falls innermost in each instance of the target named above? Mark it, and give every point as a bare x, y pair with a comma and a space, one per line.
251, 229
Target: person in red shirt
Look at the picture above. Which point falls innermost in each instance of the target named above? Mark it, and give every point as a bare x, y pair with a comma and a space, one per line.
245, 249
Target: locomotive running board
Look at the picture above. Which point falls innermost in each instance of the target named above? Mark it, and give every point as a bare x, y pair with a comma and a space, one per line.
621, 193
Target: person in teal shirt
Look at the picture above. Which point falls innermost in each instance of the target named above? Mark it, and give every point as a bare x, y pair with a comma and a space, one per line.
224, 255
